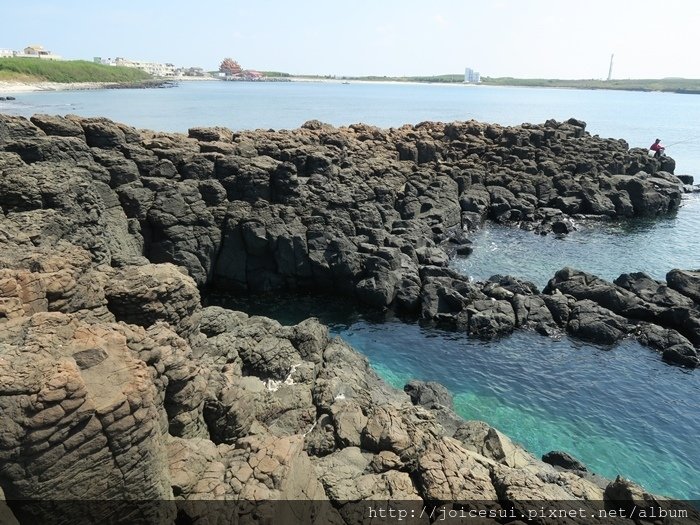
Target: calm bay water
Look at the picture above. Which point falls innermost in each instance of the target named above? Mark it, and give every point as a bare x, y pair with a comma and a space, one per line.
621, 410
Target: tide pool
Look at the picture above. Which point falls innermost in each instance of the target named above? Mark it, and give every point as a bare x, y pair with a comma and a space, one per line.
653, 246
620, 411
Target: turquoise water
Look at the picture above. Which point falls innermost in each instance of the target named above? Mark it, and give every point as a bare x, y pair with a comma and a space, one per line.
620, 411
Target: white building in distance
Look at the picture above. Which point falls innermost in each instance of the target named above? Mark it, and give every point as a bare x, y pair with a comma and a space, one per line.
152, 68
471, 76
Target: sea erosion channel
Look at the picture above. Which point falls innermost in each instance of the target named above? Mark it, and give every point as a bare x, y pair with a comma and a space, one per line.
618, 408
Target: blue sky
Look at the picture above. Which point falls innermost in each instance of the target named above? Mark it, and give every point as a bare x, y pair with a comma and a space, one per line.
521, 38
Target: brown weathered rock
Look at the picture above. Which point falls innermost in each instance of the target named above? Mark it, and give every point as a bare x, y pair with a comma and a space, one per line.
143, 295
346, 478
448, 472
78, 427
516, 487
259, 469
490, 443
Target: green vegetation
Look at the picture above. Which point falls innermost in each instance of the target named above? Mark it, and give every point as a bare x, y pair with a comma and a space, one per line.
275, 74
443, 79
449, 79
40, 70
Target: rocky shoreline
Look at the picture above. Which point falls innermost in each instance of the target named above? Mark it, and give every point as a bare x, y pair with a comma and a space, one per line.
116, 384
374, 215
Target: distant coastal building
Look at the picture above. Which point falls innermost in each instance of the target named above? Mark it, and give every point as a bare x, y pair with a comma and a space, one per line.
35, 51
153, 68
232, 70
471, 76
6, 53
246, 74
251, 74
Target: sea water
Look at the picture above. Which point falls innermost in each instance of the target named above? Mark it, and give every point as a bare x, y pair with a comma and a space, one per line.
619, 410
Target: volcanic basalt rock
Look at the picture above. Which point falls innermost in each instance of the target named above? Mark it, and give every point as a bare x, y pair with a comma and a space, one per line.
115, 383
319, 196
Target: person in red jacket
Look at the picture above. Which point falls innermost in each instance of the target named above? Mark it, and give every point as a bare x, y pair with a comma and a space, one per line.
657, 148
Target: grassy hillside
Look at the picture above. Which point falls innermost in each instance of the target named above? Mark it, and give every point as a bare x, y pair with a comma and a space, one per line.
38, 70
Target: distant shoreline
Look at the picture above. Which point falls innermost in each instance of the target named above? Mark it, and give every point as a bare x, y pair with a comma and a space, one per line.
358, 81
678, 86
665, 85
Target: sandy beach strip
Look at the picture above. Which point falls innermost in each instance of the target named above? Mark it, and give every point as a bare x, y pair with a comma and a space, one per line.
25, 87
10, 88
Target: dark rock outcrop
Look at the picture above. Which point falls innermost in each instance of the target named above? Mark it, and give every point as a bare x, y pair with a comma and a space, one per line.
561, 459
324, 207
658, 315
428, 394
685, 282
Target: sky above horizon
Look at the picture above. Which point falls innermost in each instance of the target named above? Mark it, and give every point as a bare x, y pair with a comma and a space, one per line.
518, 38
